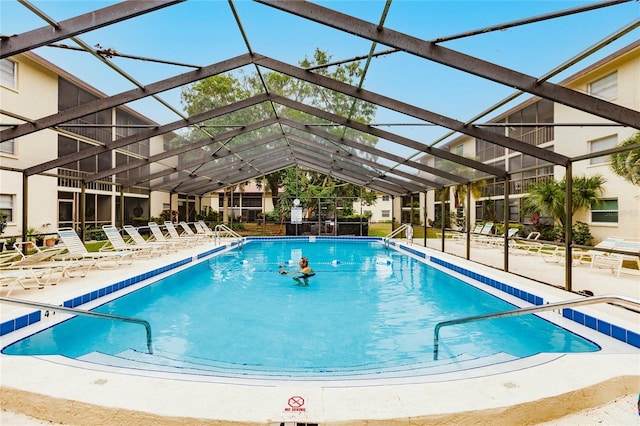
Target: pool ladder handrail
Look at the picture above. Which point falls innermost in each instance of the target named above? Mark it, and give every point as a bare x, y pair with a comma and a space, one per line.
81, 312
403, 227
623, 300
222, 229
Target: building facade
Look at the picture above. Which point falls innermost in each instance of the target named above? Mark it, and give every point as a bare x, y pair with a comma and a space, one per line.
31, 87
616, 79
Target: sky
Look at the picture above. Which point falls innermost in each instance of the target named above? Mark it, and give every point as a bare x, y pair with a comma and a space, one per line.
203, 32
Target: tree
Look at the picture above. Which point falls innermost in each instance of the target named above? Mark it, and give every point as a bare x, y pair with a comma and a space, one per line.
548, 197
217, 91
627, 164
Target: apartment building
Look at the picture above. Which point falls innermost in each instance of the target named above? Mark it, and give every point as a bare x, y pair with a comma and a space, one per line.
31, 88
616, 79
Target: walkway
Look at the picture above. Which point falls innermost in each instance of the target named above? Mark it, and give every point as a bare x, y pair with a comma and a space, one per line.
523, 395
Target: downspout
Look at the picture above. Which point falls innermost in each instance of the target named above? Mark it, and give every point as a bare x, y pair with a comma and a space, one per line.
83, 204
506, 222
25, 209
468, 221
121, 211
443, 219
425, 220
568, 264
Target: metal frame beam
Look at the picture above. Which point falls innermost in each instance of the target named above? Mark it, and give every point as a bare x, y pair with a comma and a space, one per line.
374, 151
410, 143
466, 63
354, 179
411, 110
373, 164
183, 149
147, 134
125, 97
348, 167
99, 18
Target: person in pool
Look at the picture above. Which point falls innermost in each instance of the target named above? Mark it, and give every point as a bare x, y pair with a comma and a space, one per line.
305, 270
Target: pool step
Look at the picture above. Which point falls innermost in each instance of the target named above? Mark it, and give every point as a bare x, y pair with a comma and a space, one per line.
163, 362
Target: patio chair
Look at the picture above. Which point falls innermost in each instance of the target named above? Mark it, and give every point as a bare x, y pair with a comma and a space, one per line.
175, 236
8, 257
203, 229
188, 232
117, 243
526, 246
461, 236
138, 240
44, 259
625, 250
484, 235
76, 250
498, 240
11, 278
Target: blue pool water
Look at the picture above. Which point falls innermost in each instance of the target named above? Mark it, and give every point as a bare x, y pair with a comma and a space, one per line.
365, 308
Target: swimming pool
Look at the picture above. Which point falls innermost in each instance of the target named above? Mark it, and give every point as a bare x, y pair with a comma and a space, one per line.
367, 311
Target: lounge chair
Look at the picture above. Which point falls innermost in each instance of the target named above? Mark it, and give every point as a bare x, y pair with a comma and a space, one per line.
117, 243
526, 246
76, 251
44, 259
484, 235
175, 236
188, 232
625, 250
54, 270
14, 277
498, 240
138, 240
203, 229
8, 257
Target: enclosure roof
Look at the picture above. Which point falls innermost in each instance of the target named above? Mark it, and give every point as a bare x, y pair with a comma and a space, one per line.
427, 87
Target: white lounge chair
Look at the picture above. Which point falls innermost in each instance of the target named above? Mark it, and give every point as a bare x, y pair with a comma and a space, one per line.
117, 243
526, 246
20, 277
174, 235
44, 260
621, 250
203, 229
76, 250
138, 240
484, 235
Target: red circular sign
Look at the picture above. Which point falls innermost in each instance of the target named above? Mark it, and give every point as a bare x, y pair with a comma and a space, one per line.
296, 401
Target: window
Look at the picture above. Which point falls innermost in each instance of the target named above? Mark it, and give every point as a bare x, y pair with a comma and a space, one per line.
386, 213
600, 145
605, 88
459, 150
8, 147
385, 198
605, 212
6, 206
8, 73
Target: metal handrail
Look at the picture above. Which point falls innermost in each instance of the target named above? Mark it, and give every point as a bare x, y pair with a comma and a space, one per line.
81, 312
529, 310
221, 228
392, 234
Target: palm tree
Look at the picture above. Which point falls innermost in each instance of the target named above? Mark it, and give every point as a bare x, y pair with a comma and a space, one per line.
549, 197
627, 164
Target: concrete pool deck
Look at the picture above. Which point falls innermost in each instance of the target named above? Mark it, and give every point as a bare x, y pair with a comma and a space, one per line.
533, 392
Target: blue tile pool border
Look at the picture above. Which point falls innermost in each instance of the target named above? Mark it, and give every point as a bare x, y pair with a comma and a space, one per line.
33, 317
627, 336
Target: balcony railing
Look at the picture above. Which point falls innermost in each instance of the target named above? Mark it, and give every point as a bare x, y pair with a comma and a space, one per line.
516, 187
72, 179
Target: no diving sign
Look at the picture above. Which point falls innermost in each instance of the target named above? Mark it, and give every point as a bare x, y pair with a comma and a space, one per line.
295, 403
